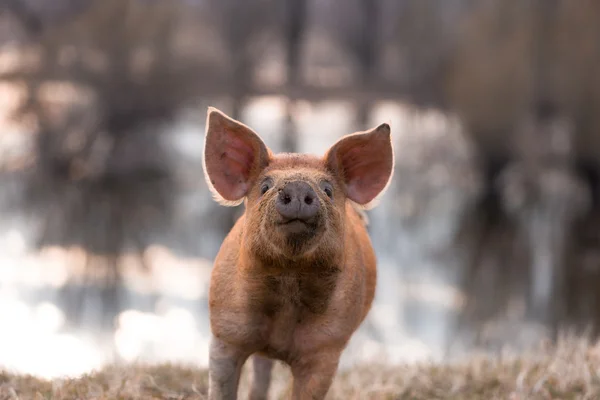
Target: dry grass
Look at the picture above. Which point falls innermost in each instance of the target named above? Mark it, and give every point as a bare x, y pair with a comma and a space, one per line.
570, 370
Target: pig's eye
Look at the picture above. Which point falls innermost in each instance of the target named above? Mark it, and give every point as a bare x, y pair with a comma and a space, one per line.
327, 188
265, 186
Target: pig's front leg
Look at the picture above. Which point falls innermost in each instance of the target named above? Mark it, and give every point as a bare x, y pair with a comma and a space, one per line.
224, 369
262, 377
313, 374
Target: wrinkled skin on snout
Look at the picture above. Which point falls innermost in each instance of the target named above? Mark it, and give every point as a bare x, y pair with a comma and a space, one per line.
296, 275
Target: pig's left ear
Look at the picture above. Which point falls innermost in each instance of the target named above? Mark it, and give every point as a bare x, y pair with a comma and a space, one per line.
365, 163
234, 155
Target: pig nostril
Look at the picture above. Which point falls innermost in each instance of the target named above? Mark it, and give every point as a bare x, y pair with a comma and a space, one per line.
286, 199
308, 200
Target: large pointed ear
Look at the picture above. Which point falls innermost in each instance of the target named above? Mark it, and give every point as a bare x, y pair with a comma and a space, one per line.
234, 155
364, 161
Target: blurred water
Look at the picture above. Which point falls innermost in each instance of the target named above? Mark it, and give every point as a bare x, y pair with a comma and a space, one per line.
166, 312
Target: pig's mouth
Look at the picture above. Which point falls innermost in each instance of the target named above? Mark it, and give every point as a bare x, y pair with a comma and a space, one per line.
298, 226
294, 236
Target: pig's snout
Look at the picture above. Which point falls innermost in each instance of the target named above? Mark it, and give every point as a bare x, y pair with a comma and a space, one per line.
298, 201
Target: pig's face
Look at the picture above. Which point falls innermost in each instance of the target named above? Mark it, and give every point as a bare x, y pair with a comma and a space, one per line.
295, 203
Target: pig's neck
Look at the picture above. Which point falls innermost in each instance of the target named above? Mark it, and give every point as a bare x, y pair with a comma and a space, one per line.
317, 262
278, 283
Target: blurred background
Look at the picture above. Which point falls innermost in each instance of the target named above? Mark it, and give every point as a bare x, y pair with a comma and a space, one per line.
488, 236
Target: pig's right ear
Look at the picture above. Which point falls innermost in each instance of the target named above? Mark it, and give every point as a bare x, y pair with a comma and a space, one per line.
234, 155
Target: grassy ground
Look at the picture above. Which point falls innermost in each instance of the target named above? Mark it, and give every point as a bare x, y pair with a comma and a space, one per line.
570, 370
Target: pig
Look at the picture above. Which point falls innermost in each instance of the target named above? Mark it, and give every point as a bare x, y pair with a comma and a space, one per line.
296, 275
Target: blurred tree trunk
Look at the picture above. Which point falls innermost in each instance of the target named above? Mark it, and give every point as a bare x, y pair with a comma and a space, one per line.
367, 51
240, 81
544, 59
36, 16
294, 27
237, 34
28, 19
547, 218
545, 196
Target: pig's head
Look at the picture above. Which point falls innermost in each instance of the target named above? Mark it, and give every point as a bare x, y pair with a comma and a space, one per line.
295, 203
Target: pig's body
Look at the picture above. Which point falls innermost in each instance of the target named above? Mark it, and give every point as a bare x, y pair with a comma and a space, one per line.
287, 311
296, 275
